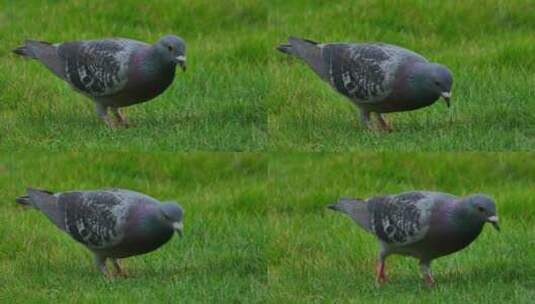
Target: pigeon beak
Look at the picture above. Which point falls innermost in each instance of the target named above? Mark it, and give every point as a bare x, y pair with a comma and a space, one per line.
179, 228
446, 96
181, 60
494, 221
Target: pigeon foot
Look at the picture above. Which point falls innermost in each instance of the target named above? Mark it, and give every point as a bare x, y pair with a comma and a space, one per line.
383, 123
121, 118
118, 270
429, 281
110, 123
381, 276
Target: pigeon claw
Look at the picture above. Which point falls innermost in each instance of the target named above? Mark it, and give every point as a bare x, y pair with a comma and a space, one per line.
380, 281
122, 274
429, 281
110, 123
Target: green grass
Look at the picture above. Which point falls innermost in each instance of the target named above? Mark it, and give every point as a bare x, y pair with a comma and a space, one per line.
220, 259
488, 45
239, 94
217, 105
257, 230
319, 256
256, 225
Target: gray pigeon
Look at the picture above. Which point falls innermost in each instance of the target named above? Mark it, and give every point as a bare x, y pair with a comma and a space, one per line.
424, 225
376, 77
115, 72
113, 223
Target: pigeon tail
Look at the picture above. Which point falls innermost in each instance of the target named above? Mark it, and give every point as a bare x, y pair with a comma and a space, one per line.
285, 48
24, 200
30, 48
334, 207
289, 49
22, 51
310, 52
345, 205
292, 39
355, 208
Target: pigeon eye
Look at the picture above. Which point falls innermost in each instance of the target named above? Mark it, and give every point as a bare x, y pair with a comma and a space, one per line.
481, 209
437, 83
170, 48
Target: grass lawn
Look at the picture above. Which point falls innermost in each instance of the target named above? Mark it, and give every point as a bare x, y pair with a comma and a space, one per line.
239, 94
256, 226
320, 256
488, 46
218, 104
257, 230
220, 259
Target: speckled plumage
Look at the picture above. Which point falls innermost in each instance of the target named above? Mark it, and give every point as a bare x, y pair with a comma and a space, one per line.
422, 224
112, 223
365, 73
113, 72
376, 77
99, 67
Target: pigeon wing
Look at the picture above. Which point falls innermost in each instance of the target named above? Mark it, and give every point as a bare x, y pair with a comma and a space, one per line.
96, 219
98, 67
358, 71
365, 72
400, 219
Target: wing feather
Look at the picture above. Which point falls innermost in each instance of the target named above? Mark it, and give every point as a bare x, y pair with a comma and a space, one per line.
401, 219
365, 72
95, 219
98, 67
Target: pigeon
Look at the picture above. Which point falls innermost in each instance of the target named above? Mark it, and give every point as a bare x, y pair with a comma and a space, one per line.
378, 78
115, 72
421, 224
112, 223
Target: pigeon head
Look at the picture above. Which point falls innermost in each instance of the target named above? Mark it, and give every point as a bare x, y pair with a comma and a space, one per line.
172, 49
483, 208
432, 80
173, 214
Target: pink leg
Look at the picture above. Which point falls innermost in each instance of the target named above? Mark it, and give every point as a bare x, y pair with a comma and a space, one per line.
382, 122
120, 117
428, 279
425, 268
118, 270
381, 277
